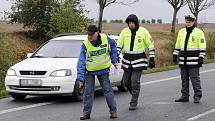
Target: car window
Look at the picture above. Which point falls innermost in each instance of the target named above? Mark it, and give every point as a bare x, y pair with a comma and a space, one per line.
59, 49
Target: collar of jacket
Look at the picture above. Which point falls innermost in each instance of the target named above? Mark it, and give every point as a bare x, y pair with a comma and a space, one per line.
98, 42
190, 29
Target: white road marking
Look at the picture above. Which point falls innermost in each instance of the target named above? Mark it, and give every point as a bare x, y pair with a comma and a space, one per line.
162, 103
158, 81
24, 107
201, 115
171, 78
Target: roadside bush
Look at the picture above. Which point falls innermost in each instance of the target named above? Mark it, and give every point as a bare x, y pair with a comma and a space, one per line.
210, 40
6, 59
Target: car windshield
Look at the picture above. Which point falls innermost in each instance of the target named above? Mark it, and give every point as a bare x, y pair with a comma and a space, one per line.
59, 49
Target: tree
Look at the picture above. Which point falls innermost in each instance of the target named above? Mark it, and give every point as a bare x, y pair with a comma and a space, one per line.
143, 21
116, 21
67, 18
34, 14
153, 21
104, 21
159, 21
105, 3
176, 4
196, 6
148, 21
41, 15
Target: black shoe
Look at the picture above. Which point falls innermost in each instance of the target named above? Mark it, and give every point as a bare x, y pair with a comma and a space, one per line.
196, 100
132, 107
182, 99
85, 117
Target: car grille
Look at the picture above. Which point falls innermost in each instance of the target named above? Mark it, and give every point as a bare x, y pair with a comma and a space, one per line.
35, 88
33, 72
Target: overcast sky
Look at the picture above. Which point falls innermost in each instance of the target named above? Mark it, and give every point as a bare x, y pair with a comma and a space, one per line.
144, 9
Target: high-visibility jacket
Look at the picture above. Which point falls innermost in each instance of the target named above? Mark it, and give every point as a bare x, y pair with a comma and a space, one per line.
97, 58
196, 47
135, 58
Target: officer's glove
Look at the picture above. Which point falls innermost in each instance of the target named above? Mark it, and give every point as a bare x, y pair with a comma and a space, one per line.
201, 61
81, 86
175, 59
151, 62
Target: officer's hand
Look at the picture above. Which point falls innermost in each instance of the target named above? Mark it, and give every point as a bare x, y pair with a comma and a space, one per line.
116, 65
151, 63
175, 59
118, 59
201, 61
81, 86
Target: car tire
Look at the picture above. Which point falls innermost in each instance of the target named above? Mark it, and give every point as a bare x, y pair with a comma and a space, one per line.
77, 94
19, 97
122, 87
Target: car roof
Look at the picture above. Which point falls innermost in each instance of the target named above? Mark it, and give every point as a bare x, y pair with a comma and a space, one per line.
79, 37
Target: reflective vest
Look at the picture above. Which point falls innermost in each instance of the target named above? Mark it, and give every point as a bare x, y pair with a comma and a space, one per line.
136, 58
196, 47
97, 58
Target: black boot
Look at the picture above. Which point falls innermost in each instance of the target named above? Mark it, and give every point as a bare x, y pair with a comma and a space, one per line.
196, 100
132, 107
85, 116
182, 99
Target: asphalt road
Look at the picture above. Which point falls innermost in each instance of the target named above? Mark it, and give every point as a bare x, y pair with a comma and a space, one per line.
156, 103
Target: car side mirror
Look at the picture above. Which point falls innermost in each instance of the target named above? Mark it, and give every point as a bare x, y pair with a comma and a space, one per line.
29, 55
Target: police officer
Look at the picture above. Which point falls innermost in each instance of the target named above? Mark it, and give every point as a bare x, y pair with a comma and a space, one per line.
98, 53
191, 49
133, 42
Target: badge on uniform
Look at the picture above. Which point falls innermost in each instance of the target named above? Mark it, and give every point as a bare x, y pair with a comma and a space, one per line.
193, 39
202, 40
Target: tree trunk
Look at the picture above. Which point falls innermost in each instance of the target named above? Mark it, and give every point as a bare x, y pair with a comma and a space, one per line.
174, 20
196, 15
101, 10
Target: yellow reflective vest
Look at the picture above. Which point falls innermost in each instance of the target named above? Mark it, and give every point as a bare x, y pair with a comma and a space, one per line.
97, 58
196, 47
135, 58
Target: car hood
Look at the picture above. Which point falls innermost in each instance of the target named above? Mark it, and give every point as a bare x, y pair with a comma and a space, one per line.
46, 64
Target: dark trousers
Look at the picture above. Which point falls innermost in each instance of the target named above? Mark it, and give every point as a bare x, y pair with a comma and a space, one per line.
132, 81
193, 75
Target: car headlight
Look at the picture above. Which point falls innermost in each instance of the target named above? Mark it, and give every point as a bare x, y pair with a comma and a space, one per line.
61, 73
11, 72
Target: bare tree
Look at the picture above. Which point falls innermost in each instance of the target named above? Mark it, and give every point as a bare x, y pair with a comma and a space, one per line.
105, 3
176, 4
196, 6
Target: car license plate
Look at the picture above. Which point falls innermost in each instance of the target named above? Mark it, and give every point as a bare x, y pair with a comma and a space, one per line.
30, 82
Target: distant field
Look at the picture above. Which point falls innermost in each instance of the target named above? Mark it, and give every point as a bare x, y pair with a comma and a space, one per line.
114, 27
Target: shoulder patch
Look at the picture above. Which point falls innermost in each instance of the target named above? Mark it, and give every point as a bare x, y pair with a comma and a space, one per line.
202, 40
